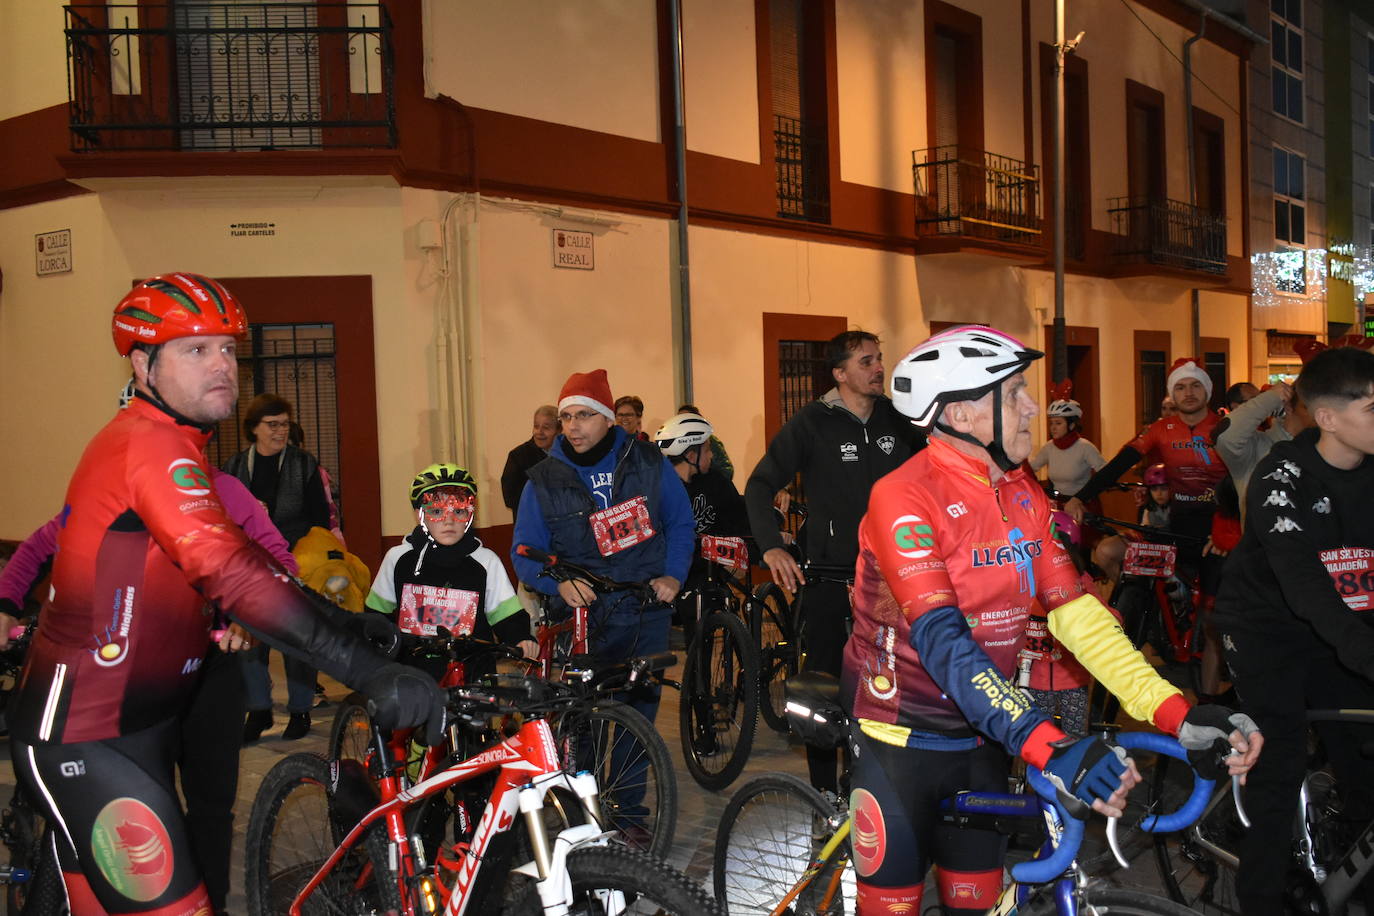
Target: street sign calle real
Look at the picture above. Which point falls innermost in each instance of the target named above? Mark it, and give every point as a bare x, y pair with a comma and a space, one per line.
573, 250
52, 252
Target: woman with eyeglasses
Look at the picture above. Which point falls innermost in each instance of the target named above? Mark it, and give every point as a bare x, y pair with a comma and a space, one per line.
286, 479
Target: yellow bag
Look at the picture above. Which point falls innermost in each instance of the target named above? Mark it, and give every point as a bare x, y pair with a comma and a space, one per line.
328, 568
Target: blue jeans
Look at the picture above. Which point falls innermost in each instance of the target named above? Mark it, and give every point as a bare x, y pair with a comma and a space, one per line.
257, 683
623, 636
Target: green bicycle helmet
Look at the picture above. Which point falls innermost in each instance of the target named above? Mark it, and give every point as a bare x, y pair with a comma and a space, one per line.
440, 474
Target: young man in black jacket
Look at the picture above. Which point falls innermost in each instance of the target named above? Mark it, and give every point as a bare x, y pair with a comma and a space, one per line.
840, 444
1294, 607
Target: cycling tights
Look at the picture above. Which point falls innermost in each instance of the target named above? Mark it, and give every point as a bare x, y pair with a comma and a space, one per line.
897, 834
121, 839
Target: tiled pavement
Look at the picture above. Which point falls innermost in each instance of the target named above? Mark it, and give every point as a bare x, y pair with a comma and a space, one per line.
699, 810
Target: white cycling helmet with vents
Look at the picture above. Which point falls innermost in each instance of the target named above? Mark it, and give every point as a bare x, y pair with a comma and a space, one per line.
961, 364
680, 433
1069, 410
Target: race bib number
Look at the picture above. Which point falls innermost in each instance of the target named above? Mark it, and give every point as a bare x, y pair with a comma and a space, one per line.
1145, 559
1352, 572
728, 552
425, 608
622, 527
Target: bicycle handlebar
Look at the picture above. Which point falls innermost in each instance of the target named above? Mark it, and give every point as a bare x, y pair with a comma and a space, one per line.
563, 571
1043, 871
1102, 522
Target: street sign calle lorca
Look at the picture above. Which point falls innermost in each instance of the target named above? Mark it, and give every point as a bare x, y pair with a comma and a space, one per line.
52, 252
573, 250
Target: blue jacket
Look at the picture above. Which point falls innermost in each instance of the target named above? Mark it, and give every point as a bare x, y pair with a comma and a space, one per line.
556, 503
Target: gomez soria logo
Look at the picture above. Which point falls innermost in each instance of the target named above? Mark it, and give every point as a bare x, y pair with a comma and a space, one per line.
189, 477
913, 537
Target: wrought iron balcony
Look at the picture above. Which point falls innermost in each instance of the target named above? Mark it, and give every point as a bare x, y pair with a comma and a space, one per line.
1169, 233
230, 76
973, 193
802, 176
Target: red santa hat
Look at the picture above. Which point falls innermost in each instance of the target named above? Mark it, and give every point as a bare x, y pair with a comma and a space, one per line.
1187, 367
589, 389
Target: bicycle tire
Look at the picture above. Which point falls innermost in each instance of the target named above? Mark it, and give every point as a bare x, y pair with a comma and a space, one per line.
588, 737
291, 833
772, 828
350, 735
1189, 872
719, 707
29, 838
771, 623
650, 886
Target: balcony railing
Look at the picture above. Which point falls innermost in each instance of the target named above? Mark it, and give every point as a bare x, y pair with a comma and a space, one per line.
975, 193
1169, 233
230, 76
802, 177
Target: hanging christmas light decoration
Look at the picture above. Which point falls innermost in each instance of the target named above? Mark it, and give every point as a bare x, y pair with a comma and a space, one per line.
1276, 276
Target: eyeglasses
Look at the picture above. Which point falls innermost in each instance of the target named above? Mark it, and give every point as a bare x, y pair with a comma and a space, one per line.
582, 416
275, 425
438, 511
626, 416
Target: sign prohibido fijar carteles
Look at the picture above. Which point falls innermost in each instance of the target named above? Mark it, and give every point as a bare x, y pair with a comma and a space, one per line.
53, 252
573, 250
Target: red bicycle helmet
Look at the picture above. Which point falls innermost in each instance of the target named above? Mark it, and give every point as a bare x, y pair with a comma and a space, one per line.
169, 306
1156, 476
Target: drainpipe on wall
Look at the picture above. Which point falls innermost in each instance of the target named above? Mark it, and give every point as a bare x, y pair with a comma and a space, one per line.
1192, 164
458, 340
680, 158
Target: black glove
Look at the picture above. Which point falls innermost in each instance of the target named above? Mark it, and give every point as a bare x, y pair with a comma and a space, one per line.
377, 629
9, 607
1086, 768
1205, 734
399, 696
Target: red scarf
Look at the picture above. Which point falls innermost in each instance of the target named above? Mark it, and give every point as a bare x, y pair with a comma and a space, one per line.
1066, 440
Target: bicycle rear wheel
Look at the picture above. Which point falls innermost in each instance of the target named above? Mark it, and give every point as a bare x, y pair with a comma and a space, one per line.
771, 623
719, 707
771, 830
1197, 867
649, 886
633, 770
293, 830
30, 840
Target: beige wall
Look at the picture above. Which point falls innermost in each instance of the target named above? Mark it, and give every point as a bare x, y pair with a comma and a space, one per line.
33, 56
590, 65
880, 51
720, 78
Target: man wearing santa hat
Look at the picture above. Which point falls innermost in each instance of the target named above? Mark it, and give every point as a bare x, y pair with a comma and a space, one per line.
1183, 444
611, 503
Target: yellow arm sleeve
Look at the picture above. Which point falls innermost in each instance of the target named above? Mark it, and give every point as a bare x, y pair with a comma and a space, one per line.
1086, 628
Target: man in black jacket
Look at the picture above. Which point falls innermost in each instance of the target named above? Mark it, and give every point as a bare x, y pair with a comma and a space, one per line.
527, 454
1294, 608
840, 444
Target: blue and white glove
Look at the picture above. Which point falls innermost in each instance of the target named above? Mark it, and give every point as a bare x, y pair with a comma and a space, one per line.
1087, 769
1205, 734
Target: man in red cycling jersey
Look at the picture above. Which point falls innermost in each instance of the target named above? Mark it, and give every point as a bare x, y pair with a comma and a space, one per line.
954, 547
145, 542
1183, 444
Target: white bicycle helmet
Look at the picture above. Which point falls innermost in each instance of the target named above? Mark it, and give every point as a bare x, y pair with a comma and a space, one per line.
680, 433
1069, 410
961, 364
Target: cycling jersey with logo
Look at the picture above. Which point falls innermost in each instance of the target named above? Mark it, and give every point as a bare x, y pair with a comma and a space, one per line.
125, 628
938, 534
1193, 466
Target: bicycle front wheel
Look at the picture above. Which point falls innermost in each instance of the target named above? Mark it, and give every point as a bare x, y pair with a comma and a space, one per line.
771, 830
633, 771
293, 830
772, 630
719, 707
1192, 870
648, 886
30, 840
350, 737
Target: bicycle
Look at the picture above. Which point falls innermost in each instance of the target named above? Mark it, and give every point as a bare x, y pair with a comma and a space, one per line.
309, 851
1331, 855
721, 677
588, 732
811, 873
